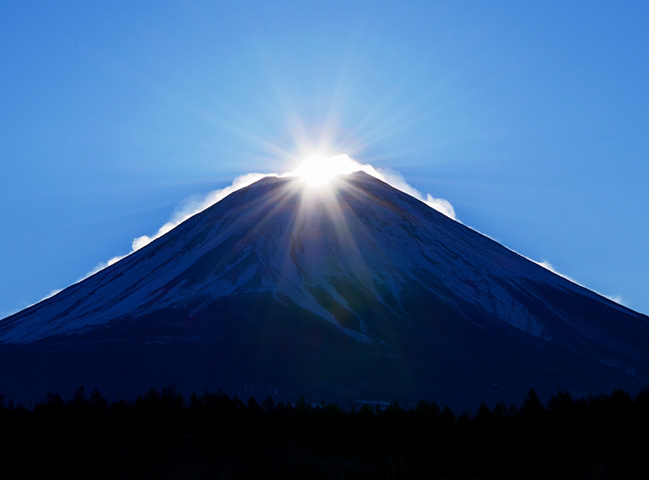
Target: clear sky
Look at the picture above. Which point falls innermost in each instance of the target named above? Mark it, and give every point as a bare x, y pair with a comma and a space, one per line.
530, 118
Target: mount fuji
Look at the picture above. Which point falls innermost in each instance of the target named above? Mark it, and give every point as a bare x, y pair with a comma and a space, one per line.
354, 293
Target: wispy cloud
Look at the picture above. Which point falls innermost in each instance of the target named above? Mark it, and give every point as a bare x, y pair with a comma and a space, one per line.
397, 181
547, 265
616, 298
198, 204
188, 208
346, 165
100, 266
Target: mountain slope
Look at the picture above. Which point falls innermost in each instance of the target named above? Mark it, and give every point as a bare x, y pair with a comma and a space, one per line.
359, 293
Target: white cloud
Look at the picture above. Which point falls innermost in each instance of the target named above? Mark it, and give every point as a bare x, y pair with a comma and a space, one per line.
196, 205
397, 181
616, 298
547, 265
345, 165
100, 266
188, 208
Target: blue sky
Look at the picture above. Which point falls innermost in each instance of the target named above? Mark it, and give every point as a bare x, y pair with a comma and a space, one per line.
531, 118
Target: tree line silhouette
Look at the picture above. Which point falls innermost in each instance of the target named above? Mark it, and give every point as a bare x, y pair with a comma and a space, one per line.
162, 434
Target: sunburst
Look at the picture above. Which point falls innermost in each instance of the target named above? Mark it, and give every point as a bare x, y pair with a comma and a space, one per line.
319, 170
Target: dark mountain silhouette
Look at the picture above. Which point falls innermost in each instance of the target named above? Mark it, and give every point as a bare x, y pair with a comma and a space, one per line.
361, 293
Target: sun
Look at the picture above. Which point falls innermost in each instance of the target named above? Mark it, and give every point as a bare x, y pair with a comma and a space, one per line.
319, 170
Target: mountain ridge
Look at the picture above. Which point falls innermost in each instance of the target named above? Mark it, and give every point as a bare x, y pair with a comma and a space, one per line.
359, 272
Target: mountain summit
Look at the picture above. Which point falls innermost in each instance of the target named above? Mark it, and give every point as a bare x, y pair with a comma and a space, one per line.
354, 293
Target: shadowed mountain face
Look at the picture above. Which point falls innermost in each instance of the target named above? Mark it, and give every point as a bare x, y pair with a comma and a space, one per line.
355, 293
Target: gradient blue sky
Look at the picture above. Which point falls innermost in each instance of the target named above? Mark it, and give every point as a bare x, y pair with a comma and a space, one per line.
531, 118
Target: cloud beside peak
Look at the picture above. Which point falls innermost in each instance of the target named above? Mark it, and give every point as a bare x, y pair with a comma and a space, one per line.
548, 266
344, 164
199, 203
347, 165
397, 181
187, 209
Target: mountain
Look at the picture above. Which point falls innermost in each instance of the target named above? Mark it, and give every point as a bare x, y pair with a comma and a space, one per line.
358, 293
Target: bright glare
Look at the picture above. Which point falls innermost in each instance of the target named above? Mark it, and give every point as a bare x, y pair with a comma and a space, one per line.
319, 170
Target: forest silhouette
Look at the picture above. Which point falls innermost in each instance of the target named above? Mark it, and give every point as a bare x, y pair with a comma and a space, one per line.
162, 434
